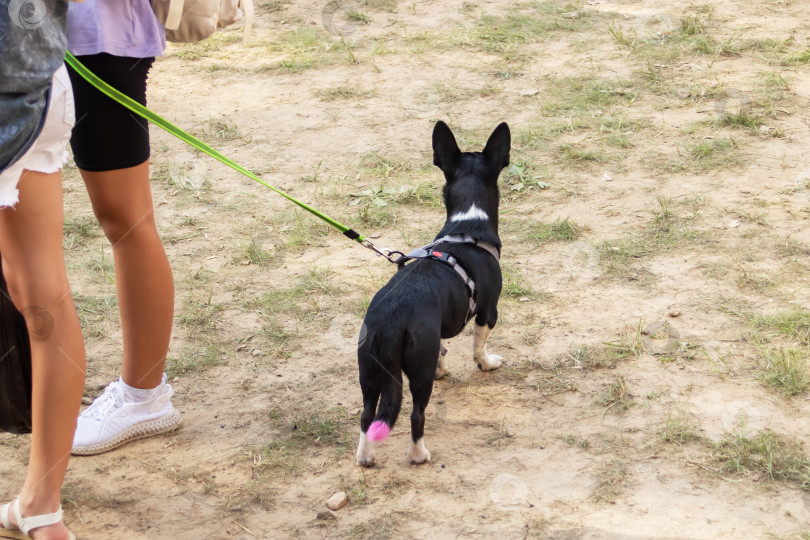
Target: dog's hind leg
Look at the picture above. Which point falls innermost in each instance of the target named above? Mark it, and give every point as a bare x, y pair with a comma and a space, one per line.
420, 363
365, 448
485, 362
441, 367
420, 390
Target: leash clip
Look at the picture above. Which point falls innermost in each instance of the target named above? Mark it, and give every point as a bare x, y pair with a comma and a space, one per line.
386, 253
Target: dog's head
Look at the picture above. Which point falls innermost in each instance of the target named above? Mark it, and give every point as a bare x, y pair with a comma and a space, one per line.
472, 177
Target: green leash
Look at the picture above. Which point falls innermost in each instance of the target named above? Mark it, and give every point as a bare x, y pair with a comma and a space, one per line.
142, 111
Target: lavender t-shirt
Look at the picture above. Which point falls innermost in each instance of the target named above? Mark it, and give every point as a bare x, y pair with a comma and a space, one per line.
118, 27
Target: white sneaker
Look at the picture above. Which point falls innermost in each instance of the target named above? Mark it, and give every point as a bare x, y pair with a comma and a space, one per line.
114, 419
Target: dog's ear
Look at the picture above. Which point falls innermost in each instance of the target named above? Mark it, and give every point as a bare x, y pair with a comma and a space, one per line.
445, 149
497, 149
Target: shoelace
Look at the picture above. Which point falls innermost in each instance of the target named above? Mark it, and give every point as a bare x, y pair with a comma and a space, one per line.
110, 399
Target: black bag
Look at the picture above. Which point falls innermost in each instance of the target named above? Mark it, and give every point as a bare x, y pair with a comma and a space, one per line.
15, 367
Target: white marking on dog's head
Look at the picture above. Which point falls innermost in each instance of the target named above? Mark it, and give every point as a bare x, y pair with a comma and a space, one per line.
472, 213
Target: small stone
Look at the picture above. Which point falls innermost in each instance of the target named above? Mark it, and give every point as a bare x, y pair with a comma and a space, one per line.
256, 352
524, 299
734, 224
606, 177
337, 501
674, 314
176, 380
508, 432
86, 400
530, 92
683, 93
355, 412
326, 515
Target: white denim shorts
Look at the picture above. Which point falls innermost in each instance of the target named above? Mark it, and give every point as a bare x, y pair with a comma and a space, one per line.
49, 152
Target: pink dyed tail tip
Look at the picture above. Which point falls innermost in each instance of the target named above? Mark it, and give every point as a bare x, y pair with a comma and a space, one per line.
378, 431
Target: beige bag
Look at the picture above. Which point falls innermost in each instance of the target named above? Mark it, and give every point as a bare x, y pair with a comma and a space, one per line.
190, 21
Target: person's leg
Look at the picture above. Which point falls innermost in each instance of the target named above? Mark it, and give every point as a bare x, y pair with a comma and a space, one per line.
34, 268
122, 202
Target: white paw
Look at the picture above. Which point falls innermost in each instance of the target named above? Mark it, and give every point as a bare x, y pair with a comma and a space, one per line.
365, 452
489, 362
417, 453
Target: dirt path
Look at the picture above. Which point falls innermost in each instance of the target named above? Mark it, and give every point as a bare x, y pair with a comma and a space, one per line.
661, 176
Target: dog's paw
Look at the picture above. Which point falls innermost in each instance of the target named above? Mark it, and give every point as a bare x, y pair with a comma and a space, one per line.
489, 362
417, 453
365, 459
365, 452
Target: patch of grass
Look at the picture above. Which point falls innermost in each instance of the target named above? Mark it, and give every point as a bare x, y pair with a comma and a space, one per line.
382, 5
214, 131
308, 48
574, 154
343, 92
667, 231
765, 456
507, 35
298, 435
382, 196
586, 95
785, 370
93, 310
611, 481
573, 440
616, 396
798, 57
199, 313
302, 300
205, 48
514, 284
358, 16
375, 216
559, 231
381, 528
793, 324
629, 346
519, 177
77, 231
198, 358
691, 25
299, 229
708, 149
260, 256
743, 120
680, 429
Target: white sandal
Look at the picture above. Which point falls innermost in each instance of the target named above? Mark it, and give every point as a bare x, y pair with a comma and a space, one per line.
26, 524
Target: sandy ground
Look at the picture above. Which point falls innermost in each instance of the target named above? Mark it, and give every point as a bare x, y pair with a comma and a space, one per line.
617, 112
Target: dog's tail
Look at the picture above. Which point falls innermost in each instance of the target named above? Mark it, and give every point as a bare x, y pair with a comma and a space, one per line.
387, 412
384, 369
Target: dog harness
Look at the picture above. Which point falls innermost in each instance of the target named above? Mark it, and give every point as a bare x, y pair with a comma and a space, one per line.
427, 252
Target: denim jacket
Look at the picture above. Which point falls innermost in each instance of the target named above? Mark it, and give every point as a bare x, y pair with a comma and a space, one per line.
32, 47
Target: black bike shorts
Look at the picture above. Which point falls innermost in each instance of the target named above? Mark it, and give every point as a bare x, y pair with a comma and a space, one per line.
108, 136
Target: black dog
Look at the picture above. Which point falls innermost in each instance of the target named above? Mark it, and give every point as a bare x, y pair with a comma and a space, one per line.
452, 280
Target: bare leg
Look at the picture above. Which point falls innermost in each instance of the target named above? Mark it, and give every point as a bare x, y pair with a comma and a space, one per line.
486, 362
122, 202
34, 267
